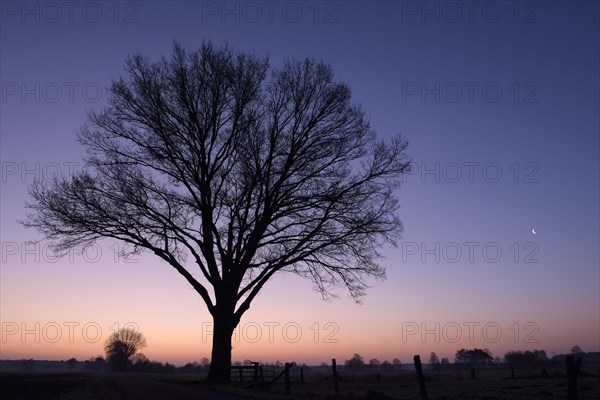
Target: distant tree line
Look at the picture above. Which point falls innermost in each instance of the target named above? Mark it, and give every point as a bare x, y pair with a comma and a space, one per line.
356, 362
139, 363
463, 357
473, 358
526, 358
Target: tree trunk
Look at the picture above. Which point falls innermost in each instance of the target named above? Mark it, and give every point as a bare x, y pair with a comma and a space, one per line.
220, 363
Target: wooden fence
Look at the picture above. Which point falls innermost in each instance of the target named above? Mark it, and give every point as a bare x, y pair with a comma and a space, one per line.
571, 369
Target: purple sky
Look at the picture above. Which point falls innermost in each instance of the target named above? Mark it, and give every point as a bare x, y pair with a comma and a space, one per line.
499, 102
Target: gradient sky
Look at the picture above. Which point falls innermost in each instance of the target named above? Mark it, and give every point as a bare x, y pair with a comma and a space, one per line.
499, 102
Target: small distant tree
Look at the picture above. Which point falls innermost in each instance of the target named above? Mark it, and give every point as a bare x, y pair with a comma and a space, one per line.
473, 357
122, 345
397, 363
95, 363
445, 362
576, 350
434, 361
141, 363
540, 354
375, 363
386, 366
356, 362
205, 362
71, 363
433, 358
191, 367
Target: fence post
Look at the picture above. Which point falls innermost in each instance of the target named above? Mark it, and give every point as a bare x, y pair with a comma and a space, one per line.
473, 373
287, 378
420, 377
573, 367
301, 375
255, 371
336, 386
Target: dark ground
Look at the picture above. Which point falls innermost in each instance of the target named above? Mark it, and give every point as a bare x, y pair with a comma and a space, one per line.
73, 386
454, 385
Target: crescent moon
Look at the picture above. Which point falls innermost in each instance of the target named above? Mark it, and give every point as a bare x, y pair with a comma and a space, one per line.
533, 231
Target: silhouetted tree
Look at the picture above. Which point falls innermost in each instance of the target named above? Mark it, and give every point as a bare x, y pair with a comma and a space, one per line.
540, 356
71, 363
205, 362
387, 366
191, 367
434, 361
397, 363
356, 362
121, 345
95, 363
473, 357
433, 358
208, 160
576, 350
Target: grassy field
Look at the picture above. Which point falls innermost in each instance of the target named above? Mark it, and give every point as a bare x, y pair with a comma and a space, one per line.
50, 386
458, 385
489, 385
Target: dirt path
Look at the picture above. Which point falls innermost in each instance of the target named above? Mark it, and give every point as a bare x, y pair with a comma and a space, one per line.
135, 387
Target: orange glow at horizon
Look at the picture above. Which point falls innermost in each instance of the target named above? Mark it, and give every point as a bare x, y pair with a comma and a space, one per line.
298, 340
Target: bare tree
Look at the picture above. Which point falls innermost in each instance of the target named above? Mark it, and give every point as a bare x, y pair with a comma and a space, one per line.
231, 174
356, 362
433, 358
576, 350
122, 345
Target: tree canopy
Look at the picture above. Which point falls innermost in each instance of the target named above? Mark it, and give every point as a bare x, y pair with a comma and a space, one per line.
231, 172
122, 345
